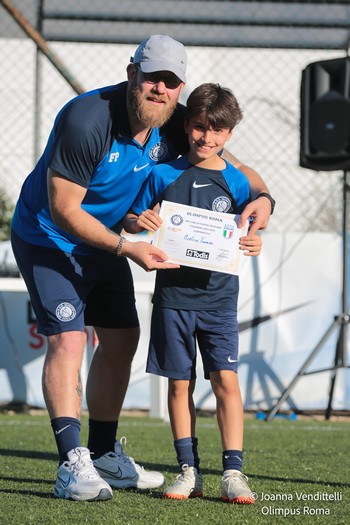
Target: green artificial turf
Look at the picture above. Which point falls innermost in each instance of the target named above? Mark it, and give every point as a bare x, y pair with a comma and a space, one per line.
298, 469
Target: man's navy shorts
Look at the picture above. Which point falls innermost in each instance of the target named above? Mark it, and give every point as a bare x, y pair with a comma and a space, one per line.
172, 350
69, 292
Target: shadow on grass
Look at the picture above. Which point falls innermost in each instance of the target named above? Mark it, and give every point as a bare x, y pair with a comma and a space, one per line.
32, 454
27, 492
25, 480
165, 468
50, 495
159, 495
299, 480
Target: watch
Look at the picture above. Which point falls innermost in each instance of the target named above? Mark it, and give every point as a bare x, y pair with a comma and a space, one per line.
118, 250
268, 196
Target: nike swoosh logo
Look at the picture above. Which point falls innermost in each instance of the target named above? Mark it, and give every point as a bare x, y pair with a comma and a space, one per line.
64, 482
231, 360
139, 168
113, 474
195, 185
61, 430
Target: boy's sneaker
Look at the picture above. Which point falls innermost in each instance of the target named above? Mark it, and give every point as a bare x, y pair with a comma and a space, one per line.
188, 484
234, 488
78, 480
121, 471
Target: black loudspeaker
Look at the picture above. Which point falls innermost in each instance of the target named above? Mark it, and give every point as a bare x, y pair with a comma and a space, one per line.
325, 115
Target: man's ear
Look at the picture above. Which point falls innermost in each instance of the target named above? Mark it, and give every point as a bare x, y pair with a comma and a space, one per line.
131, 71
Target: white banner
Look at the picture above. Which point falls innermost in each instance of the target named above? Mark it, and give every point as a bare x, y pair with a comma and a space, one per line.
289, 298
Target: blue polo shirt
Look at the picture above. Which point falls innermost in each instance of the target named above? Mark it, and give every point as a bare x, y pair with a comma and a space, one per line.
91, 145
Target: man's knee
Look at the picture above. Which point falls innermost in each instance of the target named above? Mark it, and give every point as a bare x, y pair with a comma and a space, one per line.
66, 343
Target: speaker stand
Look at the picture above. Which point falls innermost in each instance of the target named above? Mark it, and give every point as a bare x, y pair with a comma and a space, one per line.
341, 321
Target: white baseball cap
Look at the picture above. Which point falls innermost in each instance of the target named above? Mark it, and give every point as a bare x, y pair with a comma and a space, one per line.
161, 53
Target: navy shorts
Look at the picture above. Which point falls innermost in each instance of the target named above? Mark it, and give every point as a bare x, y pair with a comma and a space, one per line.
172, 350
69, 292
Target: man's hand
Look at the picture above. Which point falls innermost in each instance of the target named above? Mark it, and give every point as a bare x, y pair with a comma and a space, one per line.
147, 256
260, 211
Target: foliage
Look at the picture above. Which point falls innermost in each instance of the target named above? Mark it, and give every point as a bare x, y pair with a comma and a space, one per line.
6, 212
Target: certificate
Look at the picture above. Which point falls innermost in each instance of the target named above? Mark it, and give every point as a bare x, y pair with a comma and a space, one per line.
200, 238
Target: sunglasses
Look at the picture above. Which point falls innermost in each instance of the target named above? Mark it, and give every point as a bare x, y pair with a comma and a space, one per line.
171, 81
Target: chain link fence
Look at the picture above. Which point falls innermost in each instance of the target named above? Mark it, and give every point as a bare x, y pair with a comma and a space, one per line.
266, 82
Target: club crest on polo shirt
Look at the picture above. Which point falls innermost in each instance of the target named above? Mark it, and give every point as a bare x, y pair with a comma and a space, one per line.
221, 204
158, 151
65, 312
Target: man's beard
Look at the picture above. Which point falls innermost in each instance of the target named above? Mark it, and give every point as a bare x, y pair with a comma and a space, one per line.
150, 115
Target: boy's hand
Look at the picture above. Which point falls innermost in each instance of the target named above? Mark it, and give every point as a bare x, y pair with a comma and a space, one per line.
251, 244
149, 219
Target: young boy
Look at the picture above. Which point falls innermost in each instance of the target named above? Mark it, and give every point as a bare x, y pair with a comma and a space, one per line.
192, 304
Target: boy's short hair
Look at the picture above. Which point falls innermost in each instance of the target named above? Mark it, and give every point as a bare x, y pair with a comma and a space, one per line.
218, 103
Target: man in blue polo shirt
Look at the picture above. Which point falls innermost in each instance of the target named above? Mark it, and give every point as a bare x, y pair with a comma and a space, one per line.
67, 243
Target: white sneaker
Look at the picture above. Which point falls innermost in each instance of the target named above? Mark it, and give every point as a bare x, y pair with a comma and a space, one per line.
234, 488
121, 471
78, 480
188, 484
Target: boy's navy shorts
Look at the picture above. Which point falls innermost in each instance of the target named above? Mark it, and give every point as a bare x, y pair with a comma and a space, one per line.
172, 350
69, 292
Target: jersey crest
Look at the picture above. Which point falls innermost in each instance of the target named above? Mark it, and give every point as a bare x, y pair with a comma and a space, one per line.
159, 151
221, 204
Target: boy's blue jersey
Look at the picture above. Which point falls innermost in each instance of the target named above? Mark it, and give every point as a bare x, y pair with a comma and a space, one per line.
225, 191
91, 145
